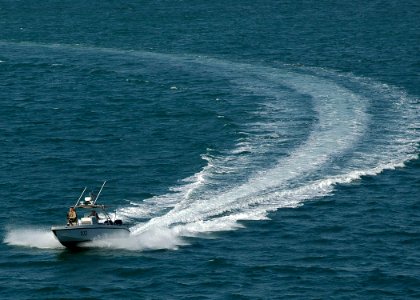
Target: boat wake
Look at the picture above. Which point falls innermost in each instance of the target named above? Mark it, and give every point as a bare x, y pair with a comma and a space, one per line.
355, 127
311, 130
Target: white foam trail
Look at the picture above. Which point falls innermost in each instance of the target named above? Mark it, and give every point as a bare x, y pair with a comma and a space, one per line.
344, 124
339, 127
32, 237
157, 238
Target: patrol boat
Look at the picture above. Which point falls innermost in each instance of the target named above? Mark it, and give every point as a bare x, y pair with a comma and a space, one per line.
92, 226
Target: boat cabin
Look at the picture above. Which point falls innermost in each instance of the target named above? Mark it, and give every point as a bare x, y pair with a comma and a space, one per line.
91, 217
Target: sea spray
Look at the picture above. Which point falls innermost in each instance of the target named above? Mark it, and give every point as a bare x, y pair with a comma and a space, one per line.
32, 237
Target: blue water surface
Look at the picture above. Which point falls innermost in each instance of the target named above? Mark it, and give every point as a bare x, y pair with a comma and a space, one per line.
258, 149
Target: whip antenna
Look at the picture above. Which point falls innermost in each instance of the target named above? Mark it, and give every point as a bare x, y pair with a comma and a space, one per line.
96, 198
80, 197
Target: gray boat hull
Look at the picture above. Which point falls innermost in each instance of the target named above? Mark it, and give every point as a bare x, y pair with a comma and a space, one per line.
74, 236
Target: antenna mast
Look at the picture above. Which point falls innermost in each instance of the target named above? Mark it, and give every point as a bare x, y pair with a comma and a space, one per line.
81, 195
99, 192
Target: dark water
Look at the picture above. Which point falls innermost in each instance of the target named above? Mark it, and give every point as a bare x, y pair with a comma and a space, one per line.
259, 149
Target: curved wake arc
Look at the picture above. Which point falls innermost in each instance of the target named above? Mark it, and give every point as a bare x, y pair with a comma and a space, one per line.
343, 126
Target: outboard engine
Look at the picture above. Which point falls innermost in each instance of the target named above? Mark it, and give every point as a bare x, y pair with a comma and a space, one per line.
118, 222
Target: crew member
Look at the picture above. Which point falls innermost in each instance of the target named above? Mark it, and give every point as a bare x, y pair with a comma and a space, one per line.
71, 217
94, 214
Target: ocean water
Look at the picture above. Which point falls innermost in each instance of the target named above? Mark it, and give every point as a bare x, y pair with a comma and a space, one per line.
258, 149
